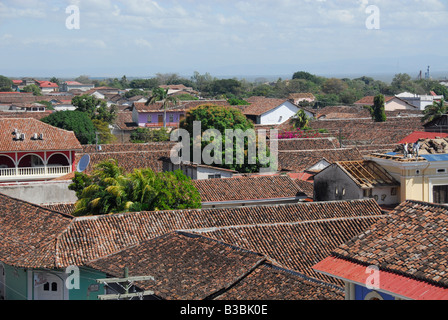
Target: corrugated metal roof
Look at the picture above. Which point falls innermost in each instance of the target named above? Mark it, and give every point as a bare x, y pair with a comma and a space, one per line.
389, 282
435, 157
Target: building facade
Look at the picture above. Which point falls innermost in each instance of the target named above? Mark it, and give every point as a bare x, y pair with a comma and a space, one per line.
31, 150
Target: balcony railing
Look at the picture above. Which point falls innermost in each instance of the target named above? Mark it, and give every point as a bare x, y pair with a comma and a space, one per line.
160, 124
50, 171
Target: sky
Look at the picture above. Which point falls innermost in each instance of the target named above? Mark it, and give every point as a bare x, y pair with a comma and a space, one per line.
140, 38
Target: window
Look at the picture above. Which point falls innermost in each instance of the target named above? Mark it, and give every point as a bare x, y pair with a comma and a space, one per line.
171, 118
441, 170
393, 191
150, 118
373, 296
54, 286
214, 176
367, 193
440, 194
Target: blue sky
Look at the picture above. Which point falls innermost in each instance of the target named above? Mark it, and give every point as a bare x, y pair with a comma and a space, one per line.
223, 37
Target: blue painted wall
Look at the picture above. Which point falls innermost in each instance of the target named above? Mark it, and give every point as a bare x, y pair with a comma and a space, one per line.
361, 292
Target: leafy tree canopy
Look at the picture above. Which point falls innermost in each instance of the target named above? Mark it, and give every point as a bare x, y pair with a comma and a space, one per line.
5, 82
110, 190
76, 121
222, 118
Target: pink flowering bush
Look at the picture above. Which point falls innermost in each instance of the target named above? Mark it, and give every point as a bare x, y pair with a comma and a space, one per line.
298, 134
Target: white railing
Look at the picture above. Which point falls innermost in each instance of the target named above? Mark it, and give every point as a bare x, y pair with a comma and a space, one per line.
35, 171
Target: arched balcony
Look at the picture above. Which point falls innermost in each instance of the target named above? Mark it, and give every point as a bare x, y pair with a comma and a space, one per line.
33, 167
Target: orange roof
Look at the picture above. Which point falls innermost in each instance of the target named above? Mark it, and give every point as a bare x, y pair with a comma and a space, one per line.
416, 135
53, 138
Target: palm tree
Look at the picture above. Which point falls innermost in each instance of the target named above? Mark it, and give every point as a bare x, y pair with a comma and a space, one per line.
300, 120
106, 194
435, 110
161, 95
141, 189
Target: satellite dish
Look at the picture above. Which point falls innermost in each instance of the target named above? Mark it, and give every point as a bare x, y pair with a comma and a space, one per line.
83, 163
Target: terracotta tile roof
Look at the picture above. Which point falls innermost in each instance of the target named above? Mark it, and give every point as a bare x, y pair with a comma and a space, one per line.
268, 282
184, 266
89, 238
11, 98
306, 186
65, 208
182, 105
368, 132
129, 147
144, 155
421, 135
138, 160
155, 107
298, 161
192, 267
294, 236
124, 121
303, 95
34, 115
247, 188
260, 105
319, 229
28, 233
412, 241
307, 144
53, 138
47, 84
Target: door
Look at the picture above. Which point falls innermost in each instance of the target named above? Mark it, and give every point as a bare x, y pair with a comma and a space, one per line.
160, 120
2, 282
48, 286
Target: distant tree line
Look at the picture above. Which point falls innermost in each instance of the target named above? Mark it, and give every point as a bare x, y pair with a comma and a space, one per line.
328, 91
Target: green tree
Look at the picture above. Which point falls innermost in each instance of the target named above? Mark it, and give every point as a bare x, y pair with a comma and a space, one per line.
434, 111
334, 86
134, 92
144, 135
226, 86
32, 88
79, 182
104, 134
75, 121
300, 120
161, 95
5, 82
110, 190
378, 109
237, 102
307, 76
222, 118
55, 80
95, 108
86, 103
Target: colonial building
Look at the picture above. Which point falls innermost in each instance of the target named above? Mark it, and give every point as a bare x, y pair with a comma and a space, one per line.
31, 150
152, 115
422, 177
269, 111
392, 103
348, 180
401, 257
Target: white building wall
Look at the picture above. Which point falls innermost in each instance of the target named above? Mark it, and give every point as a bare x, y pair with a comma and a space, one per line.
281, 114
